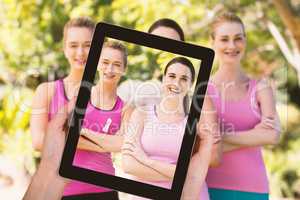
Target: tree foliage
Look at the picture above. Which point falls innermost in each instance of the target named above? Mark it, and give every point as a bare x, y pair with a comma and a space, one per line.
31, 52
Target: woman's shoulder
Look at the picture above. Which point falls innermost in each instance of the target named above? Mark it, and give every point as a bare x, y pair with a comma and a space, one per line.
140, 112
127, 107
144, 110
263, 82
43, 94
263, 88
46, 88
212, 88
47, 85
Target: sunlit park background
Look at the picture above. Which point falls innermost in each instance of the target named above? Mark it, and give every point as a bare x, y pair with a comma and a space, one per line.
31, 53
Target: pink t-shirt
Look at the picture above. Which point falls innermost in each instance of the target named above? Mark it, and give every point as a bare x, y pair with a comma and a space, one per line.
162, 141
101, 121
241, 169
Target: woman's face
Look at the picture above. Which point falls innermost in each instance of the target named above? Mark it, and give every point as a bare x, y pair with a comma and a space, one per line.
77, 45
177, 81
111, 65
229, 42
166, 32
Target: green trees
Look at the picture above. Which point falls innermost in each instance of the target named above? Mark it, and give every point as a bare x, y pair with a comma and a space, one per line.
31, 52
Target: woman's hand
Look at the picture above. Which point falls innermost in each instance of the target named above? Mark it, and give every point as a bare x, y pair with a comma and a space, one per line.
46, 183
88, 140
207, 138
133, 148
200, 160
91, 135
87, 132
268, 123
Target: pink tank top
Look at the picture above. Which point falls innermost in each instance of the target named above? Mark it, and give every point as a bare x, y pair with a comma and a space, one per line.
162, 141
97, 120
241, 169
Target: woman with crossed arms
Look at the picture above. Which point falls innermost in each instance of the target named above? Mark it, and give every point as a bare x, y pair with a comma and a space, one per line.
151, 148
248, 117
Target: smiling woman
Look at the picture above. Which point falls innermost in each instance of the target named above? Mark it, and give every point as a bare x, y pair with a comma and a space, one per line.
113, 61
51, 96
150, 150
102, 128
182, 66
76, 42
242, 173
229, 40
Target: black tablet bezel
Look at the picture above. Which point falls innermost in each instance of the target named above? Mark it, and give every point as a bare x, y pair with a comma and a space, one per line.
103, 30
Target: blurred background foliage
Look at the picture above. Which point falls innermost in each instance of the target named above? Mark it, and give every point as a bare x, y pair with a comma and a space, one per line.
31, 52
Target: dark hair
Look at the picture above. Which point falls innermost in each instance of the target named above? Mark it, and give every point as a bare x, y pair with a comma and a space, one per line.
167, 23
186, 62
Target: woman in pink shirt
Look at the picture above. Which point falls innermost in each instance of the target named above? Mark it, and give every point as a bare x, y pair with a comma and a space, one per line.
150, 150
77, 38
103, 124
103, 115
247, 115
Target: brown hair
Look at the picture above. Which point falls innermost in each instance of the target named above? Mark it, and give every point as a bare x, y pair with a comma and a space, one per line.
188, 64
81, 22
118, 46
225, 17
165, 22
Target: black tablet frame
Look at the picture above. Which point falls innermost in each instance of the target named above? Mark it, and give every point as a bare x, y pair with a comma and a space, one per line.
103, 30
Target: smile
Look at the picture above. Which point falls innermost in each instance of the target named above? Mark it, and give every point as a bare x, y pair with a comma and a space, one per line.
111, 76
232, 53
80, 61
173, 90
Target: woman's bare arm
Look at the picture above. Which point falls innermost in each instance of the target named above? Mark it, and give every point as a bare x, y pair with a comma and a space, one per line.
39, 113
265, 133
206, 129
110, 143
130, 164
